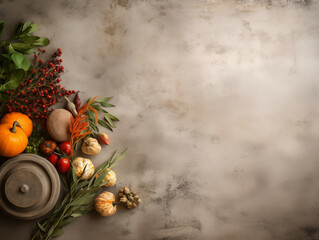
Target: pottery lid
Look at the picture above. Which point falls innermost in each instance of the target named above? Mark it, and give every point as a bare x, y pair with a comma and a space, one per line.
29, 186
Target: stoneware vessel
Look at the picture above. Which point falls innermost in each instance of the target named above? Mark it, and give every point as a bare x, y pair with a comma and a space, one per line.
29, 186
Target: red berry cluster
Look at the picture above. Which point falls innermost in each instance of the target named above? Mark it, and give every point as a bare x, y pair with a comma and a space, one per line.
40, 89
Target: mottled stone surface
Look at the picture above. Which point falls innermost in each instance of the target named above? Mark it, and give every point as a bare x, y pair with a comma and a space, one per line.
218, 102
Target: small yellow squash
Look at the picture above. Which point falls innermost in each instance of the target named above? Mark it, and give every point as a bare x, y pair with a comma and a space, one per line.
110, 178
91, 146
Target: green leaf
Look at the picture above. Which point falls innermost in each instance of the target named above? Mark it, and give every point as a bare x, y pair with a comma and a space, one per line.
42, 41
22, 47
100, 178
83, 200
74, 177
10, 49
84, 170
104, 100
112, 117
13, 81
7, 56
108, 105
62, 180
76, 215
98, 108
58, 232
118, 158
26, 26
20, 61
34, 27
104, 124
41, 227
67, 221
29, 39
28, 52
81, 184
1, 26
109, 120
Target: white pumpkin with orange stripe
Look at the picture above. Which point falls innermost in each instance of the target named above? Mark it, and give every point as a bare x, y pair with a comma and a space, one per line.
105, 204
79, 164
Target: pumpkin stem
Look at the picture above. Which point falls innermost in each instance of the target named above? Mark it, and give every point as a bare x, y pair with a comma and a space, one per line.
47, 144
115, 203
15, 124
86, 143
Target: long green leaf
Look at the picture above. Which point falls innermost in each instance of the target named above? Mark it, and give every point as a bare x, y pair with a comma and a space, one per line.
112, 117
108, 105
104, 124
109, 120
42, 41
118, 159
67, 221
84, 170
100, 178
41, 227
29, 39
58, 232
74, 177
98, 108
104, 100
81, 184
22, 47
84, 200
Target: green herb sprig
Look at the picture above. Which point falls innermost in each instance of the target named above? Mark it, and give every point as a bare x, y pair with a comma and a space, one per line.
13, 63
77, 202
108, 120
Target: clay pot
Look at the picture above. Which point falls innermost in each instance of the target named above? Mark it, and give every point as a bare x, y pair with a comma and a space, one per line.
29, 186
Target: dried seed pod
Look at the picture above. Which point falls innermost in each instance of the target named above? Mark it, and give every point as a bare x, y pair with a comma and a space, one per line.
77, 102
130, 197
71, 107
127, 190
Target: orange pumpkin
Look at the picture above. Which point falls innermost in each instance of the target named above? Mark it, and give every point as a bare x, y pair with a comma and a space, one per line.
13, 139
24, 121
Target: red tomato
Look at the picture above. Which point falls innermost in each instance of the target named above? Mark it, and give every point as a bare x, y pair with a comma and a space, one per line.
65, 147
53, 158
63, 165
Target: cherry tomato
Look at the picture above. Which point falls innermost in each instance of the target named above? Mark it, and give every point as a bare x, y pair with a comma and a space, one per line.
63, 165
53, 158
65, 147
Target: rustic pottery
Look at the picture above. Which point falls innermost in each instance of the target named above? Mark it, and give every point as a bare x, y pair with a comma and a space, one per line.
29, 186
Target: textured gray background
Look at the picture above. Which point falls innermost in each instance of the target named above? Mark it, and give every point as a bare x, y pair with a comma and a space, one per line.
218, 102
